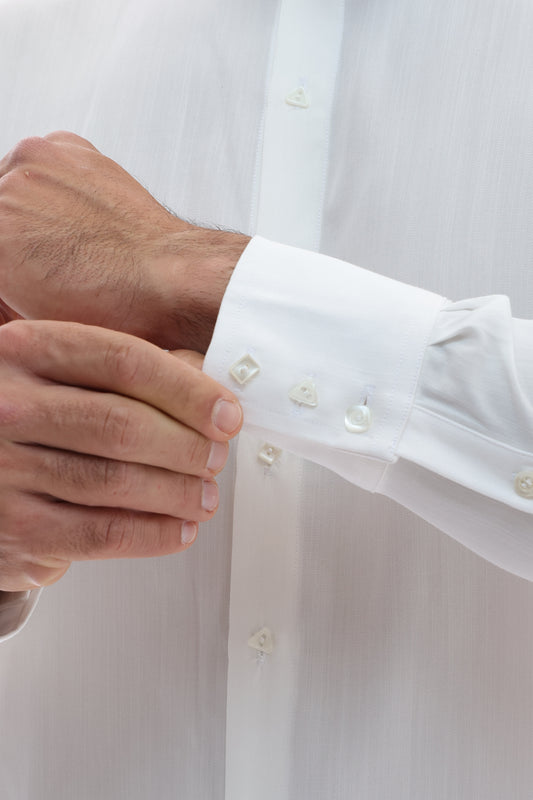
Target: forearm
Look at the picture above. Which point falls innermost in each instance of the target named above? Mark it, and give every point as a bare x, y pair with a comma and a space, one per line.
102, 250
189, 279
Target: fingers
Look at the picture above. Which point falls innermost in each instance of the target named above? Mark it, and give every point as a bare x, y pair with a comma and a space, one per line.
106, 425
66, 137
189, 357
108, 448
91, 357
85, 480
117, 533
105, 533
36, 148
26, 152
48, 536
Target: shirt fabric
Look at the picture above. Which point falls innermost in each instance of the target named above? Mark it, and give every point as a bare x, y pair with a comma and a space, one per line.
319, 639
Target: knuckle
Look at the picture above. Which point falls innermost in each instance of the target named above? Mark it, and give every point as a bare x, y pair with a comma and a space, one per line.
118, 535
26, 556
61, 136
15, 336
29, 149
196, 453
20, 527
129, 535
190, 492
69, 138
118, 429
125, 362
68, 468
20, 339
11, 417
84, 540
186, 494
97, 477
14, 464
9, 185
116, 478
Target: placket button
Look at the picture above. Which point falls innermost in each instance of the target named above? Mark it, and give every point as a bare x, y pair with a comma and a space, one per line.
262, 641
268, 454
298, 97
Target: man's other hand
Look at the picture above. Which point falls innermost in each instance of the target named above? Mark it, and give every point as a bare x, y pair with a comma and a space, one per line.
108, 448
82, 240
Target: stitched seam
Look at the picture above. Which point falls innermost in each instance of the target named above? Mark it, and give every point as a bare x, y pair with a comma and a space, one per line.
475, 434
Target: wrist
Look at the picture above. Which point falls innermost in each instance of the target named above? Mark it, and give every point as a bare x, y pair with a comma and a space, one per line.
192, 277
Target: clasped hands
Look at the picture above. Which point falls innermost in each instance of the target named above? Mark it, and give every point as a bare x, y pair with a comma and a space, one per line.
109, 444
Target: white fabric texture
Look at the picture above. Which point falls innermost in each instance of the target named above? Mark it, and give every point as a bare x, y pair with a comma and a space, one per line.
402, 661
449, 392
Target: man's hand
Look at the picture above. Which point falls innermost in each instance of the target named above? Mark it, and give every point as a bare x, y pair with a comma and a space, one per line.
108, 449
81, 240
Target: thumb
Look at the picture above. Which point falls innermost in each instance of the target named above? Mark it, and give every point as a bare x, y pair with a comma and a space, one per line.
190, 357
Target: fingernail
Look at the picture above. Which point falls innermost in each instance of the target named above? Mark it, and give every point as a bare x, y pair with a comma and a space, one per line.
217, 456
209, 496
188, 532
226, 415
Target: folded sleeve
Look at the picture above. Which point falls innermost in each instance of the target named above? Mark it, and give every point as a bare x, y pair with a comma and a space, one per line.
394, 388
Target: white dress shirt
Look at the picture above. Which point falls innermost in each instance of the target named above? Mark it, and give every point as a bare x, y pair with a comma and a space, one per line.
319, 640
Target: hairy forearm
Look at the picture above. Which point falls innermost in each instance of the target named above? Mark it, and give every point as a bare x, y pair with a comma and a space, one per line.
192, 278
102, 250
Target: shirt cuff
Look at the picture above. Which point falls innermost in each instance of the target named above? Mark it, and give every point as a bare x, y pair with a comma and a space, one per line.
324, 356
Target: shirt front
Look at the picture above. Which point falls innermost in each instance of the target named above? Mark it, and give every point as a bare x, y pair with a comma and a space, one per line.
319, 639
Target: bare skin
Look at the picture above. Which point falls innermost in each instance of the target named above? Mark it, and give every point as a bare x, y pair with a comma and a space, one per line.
82, 240
107, 446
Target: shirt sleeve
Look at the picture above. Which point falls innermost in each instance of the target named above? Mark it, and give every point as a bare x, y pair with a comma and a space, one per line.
392, 387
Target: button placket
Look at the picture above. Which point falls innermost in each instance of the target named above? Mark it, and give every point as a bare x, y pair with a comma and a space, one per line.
266, 538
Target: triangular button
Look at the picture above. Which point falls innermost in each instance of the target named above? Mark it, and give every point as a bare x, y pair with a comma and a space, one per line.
304, 393
298, 97
262, 641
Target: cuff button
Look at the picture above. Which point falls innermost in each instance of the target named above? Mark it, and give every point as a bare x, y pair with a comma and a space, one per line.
305, 393
358, 419
244, 369
524, 484
269, 454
